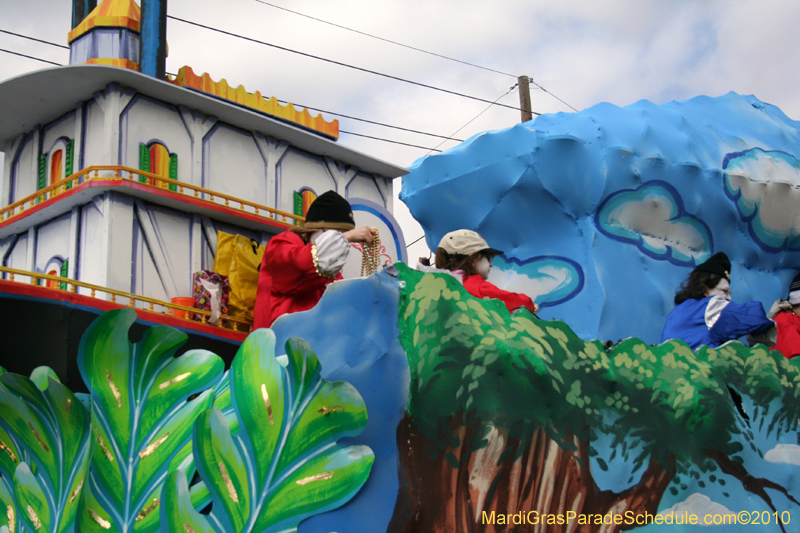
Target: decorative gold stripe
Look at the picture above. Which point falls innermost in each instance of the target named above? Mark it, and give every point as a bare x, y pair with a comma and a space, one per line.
114, 389
76, 492
69, 404
38, 438
188, 529
316, 263
8, 451
12, 519
147, 510
103, 446
265, 395
318, 477
152, 447
37, 524
105, 524
174, 380
328, 409
228, 483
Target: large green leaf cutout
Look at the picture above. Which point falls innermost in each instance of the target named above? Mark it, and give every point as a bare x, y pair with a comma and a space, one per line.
44, 452
142, 418
284, 464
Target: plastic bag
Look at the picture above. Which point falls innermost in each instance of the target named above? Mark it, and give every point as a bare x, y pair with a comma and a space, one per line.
211, 291
239, 258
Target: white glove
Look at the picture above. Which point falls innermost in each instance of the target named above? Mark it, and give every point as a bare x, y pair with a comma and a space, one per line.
778, 307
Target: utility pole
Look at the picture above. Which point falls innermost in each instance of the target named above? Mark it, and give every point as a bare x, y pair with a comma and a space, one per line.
525, 98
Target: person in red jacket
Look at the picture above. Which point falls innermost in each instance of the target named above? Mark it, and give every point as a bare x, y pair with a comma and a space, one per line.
788, 322
300, 263
467, 253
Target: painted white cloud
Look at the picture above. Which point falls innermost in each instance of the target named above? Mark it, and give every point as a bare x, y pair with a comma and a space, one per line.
784, 453
547, 280
699, 505
653, 219
765, 186
551, 279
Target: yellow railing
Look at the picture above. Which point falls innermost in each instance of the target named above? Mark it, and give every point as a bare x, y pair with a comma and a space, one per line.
154, 181
142, 303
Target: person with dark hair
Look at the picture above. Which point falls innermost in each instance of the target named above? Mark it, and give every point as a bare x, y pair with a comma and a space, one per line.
788, 322
704, 312
466, 254
300, 263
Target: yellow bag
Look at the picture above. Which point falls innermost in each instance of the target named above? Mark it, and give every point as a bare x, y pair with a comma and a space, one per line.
239, 258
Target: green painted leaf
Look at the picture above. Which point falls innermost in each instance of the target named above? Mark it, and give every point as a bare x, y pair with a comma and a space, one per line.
92, 517
142, 420
41, 376
31, 500
222, 468
284, 465
178, 510
8, 510
46, 437
9, 454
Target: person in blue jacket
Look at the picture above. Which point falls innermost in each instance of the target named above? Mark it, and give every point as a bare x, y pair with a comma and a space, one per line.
705, 314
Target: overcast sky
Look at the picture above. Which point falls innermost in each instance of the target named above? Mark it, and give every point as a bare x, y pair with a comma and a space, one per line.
584, 52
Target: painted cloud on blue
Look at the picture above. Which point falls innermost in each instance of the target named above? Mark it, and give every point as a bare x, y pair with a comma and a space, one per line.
547, 280
652, 218
765, 185
784, 453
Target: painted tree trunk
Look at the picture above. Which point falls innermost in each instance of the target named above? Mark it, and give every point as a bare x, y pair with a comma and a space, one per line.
496, 488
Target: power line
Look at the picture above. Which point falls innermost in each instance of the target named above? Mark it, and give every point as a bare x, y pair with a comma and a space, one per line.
340, 131
476, 116
390, 141
551, 94
34, 39
31, 57
387, 40
412, 48
339, 63
371, 121
282, 101
415, 241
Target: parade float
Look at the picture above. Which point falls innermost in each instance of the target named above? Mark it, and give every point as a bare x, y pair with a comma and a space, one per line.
400, 403
117, 183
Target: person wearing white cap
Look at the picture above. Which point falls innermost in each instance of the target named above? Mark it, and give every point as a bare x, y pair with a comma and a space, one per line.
466, 251
788, 322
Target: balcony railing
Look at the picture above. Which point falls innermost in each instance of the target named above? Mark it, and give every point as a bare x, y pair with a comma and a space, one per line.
152, 181
141, 303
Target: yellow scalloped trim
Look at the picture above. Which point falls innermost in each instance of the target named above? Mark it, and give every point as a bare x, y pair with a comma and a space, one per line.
187, 78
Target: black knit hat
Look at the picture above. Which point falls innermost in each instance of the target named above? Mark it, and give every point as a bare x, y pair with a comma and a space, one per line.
330, 211
718, 264
795, 286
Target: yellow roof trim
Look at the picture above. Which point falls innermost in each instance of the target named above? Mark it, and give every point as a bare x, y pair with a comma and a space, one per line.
187, 78
110, 13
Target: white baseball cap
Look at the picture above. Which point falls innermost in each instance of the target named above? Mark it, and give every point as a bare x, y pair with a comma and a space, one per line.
465, 242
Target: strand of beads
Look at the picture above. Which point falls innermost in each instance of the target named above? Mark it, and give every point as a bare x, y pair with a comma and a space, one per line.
370, 257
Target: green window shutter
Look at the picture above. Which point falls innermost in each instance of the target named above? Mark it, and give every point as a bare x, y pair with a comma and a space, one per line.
68, 163
63, 274
42, 171
144, 161
298, 204
173, 171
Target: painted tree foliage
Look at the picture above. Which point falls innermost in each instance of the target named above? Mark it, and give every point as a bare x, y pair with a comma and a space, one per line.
506, 411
